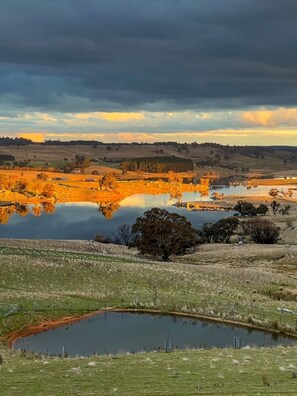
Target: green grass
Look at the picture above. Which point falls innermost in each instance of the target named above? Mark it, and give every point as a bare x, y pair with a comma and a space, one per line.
49, 284
209, 372
50, 164
52, 284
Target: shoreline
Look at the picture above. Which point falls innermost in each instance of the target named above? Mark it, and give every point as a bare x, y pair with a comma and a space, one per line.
228, 201
46, 325
52, 324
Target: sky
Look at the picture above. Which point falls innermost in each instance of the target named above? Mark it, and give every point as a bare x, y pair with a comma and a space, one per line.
160, 70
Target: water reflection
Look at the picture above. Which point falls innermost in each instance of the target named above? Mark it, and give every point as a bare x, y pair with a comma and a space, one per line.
108, 208
5, 213
23, 210
176, 195
84, 220
114, 332
37, 210
48, 207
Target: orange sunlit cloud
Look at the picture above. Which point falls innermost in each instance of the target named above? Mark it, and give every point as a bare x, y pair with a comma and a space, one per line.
136, 137
271, 118
224, 136
112, 117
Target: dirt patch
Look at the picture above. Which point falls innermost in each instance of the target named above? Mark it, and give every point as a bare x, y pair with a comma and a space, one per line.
47, 325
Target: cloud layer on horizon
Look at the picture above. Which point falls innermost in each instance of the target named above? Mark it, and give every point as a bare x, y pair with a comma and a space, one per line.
65, 65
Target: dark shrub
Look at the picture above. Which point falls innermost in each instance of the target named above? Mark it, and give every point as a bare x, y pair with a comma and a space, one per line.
261, 231
221, 231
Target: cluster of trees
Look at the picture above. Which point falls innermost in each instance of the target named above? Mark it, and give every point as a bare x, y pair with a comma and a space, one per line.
160, 234
259, 230
243, 150
276, 208
247, 209
23, 186
72, 143
80, 161
222, 163
7, 141
25, 165
158, 164
6, 158
28, 188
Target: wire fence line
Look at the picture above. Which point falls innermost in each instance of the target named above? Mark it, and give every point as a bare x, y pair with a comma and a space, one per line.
7, 309
276, 318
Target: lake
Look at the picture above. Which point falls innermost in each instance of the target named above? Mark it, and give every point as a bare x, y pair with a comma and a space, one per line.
73, 221
115, 332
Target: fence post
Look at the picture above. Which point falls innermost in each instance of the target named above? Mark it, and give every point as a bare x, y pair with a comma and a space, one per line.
237, 342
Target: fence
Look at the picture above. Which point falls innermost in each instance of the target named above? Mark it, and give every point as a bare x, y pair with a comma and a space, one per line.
7, 309
275, 318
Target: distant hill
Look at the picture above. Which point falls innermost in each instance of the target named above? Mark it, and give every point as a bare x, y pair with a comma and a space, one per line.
223, 159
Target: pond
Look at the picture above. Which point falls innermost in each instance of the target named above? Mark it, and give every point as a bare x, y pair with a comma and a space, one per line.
74, 221
115, 332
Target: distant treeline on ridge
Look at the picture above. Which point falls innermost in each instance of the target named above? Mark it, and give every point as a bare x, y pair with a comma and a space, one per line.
7, 141
158, 164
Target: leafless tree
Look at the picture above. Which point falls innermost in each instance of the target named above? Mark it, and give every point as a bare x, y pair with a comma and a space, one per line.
124, 235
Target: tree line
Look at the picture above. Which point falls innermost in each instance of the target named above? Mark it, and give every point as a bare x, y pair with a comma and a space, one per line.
158, 164
7, 141
161, 234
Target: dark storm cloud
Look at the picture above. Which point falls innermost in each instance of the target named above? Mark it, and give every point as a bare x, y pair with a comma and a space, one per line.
73, 55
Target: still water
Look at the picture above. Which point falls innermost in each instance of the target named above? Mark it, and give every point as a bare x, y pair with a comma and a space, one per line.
84, 220
114, 332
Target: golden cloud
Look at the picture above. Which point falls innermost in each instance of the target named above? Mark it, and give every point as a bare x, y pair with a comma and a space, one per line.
135, 137
178, 136
112, 117
271, 118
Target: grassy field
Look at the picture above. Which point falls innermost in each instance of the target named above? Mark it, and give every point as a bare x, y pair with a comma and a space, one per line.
52, 283
213, 372
58, 155
61, 279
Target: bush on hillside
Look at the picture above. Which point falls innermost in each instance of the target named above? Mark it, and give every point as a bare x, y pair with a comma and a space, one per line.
221, 231
261, 231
